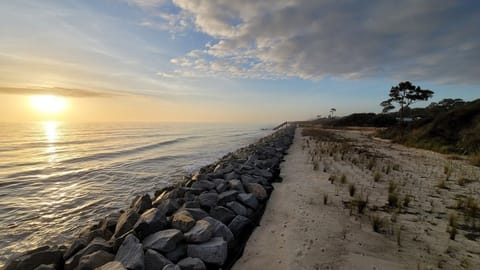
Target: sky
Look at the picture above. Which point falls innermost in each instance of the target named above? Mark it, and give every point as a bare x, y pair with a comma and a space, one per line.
231, 61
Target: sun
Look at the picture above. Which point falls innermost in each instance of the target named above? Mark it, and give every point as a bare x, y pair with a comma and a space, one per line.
48, 104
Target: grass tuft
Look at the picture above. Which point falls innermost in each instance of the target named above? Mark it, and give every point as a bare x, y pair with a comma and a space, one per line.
351, 189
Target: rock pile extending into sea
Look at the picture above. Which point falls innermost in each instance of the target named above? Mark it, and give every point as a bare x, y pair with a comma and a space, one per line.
201, 223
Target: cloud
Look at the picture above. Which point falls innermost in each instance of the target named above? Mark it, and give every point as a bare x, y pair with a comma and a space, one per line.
312, 39
58, 91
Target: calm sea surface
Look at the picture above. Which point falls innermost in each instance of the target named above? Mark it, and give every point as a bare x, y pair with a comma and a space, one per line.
55, 177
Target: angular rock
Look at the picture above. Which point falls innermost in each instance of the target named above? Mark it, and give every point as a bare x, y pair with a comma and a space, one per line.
130, 253
238, 208
263, 173
46, 267
110, 221
208, 199
142, 204
196, 213
223, 214
163, 241
203, 185
34, 258
96, 245
94, 260
237, 185
248, 179
248, 199
222, 187
220, 229
227, 196
257, 190
183, 221
114, 265
126, 222
171, 267
179, 252
155, 260
151, 221
201, 232
167, 206
215, 251
238, 225
76, 246
230, 176
190, 263
192, 204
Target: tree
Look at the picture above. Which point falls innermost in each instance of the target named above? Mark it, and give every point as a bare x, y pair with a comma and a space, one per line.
405, 94
332, 111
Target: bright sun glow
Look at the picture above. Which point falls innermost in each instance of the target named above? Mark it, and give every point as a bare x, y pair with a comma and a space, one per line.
48, 104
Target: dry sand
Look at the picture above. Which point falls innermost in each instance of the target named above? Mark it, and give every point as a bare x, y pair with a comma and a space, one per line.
299, 231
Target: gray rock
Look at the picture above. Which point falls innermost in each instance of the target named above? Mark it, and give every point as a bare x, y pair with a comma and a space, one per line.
179, 252
171, 267
192, 191
114, 265
34, 258
94, 260
203, 185
155, 260
163, 241
130, 253
223, 214
220, 229
238, 225
183, 221
45, 267
151, 221
126, 222
230, 176
142, 204
110, 221
197, 213
248, 199
167, 206
237, 185
76, 246
208, 199
192, 204
96, 245
218, 181
201, 232
238, 208
221, 187
263, 173
257, 190
215, 251
190, 263
227, 196
248, 179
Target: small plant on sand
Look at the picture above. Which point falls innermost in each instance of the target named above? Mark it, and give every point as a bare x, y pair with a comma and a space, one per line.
396, 167
452, 226
393, 199
351, 189
361, 203
315, 165
387, 170
377, 177
398, 235
392, 187
406, 200
442, 184
377, 223
332, 178
371, 164
325, 199
475, 159
343, 179
471, 207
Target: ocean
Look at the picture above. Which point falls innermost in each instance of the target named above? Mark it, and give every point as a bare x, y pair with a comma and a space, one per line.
57, 177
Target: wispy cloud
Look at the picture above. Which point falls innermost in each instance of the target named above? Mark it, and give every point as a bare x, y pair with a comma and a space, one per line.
58, 91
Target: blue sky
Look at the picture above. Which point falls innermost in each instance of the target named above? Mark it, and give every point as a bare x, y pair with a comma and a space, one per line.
266, 60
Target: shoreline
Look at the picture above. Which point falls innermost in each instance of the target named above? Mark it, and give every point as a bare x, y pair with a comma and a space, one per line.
210, 215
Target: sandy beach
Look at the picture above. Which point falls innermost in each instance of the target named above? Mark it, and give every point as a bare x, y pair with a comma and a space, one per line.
414, 197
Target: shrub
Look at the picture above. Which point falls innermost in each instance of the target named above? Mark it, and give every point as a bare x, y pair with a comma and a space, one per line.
392, 187
406, 200
343, 179
325, 199
393, 199
377, 177
475, 159
361, 204
377, 223
352, 189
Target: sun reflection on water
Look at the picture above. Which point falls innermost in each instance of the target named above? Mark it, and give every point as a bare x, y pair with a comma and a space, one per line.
51, 134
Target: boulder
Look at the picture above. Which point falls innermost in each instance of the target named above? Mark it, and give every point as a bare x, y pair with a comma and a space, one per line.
257, 190
222, 187
126, 222
114, 265
110, 221
190, 263
34, 258
238, 208
227, 196
76, 246
203, 185
220, 229
197, 213
238, 225
230, 176
142, 204
151, 221
171, 267
163, 241
94, 260
167, 206
201, 232
237, 185
192, 204
208, 199
183, 221
95, 245
45, 267
214, 252
248, 199
263, 173
155, 260
179, 252
130, 253
223, 214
